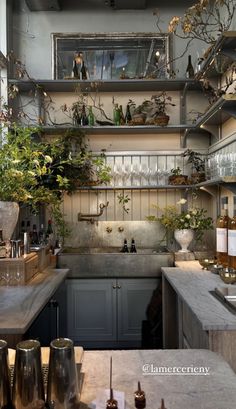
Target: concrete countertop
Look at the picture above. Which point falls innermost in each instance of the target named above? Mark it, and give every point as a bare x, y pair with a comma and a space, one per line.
193, 284
214, 391
20, 305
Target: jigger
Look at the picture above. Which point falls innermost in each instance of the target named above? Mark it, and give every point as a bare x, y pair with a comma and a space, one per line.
62, 387
5, 389
28, 388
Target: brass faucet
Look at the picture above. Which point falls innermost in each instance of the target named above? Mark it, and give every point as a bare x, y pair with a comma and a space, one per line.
90, 217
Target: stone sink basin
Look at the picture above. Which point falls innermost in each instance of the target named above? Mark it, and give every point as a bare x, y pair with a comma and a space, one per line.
110, 262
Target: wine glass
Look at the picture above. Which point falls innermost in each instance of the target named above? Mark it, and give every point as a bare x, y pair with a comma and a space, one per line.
6, 276
17, 275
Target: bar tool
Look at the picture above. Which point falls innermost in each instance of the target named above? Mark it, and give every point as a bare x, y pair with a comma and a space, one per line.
28, 388
162, 404
5, 389
139, 398
63, 386
111, 402
15, 248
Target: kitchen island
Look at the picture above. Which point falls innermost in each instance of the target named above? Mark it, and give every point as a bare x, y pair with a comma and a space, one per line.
20, 305
180, 391
192, 316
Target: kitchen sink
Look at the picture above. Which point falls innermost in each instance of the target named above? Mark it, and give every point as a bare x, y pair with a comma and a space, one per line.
111, 262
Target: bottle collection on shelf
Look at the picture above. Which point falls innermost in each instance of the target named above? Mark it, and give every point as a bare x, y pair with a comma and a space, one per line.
27, 239
226, 236
125, 248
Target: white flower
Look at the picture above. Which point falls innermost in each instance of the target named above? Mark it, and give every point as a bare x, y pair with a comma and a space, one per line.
36, 162
182, 201
188, 216
48, 159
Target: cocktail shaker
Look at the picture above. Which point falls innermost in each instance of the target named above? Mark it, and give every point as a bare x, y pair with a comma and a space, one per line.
5, 389
28, 387
62, 387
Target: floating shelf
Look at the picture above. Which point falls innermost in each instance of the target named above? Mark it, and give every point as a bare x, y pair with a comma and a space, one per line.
219, 112
157, 187
225, 45
121, 130
106, 86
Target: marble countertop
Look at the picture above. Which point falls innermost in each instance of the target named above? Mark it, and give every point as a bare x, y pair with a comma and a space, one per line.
193, 284
214, 391
20, 305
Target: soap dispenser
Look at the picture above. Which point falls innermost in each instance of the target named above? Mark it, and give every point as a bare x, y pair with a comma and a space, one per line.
125, 247
133, 247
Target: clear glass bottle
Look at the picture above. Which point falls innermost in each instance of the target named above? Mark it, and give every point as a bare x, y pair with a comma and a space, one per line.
222, 234
232, 239
3, 249
122, 118
190, 69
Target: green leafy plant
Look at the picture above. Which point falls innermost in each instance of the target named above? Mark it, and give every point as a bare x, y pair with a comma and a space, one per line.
176, 171
123, 200
194, 158
172, 218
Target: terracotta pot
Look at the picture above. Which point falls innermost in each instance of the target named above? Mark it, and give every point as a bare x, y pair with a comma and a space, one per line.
178, 180
162, 120
197, 177
138, 119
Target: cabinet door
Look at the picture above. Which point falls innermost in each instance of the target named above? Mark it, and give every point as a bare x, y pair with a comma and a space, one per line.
91, 309
133, 296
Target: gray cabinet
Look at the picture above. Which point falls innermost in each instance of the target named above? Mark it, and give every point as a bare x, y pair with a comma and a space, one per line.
103, 313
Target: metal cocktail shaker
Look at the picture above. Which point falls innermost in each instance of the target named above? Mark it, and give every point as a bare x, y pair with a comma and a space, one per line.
5, 389
28, 388
62, 388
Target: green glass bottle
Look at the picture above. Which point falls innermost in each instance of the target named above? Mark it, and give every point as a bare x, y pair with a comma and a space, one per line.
116, 115
91, 119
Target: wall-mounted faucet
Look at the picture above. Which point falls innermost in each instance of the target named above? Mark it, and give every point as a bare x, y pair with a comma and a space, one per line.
90, 217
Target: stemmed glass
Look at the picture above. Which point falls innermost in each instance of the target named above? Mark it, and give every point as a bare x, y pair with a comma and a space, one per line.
145, 173
17, 275
135, 174
6, 276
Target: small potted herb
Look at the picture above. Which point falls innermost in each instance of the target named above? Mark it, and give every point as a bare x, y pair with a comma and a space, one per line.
198, 166
177, 178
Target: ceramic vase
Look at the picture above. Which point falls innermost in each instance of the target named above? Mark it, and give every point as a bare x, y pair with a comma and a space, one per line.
184, 238
9, 213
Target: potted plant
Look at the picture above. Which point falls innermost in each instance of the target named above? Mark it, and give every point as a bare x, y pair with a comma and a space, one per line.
178, 222
177, 178
33, 172
157, 109
198, 165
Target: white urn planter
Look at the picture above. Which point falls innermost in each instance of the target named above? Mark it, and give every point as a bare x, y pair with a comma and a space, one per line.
9, 213
184, 238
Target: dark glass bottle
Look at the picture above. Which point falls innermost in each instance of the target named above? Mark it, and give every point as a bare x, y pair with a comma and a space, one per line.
49, 232
128, 116
83, 72
125, 247
84, 118
34, 238
42, 235
122, 118
75, 73
189, 69
133, 247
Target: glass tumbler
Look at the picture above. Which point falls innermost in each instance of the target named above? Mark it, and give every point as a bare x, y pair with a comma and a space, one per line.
28, 387
5, 389
62, 387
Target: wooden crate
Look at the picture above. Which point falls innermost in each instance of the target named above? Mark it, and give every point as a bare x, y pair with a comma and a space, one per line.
20, 270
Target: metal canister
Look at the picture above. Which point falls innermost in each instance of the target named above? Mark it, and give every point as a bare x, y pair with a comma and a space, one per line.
5, 388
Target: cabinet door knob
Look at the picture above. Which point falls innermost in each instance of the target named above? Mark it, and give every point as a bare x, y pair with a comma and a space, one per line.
119, 286
114, 286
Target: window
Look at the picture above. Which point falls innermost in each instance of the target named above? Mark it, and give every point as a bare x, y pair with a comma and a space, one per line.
111, 56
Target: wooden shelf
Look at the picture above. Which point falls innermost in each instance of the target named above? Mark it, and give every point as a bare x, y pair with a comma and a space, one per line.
106, 86
149, 187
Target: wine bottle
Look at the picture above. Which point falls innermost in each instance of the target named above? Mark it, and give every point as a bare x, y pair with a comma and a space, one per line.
49, 232
222, 234
189, 69
83, 72
42, 235
232, 239
128, 116
3, 249
125, 247
34, 238
84, 118
133, 247
91, 119
75, 72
